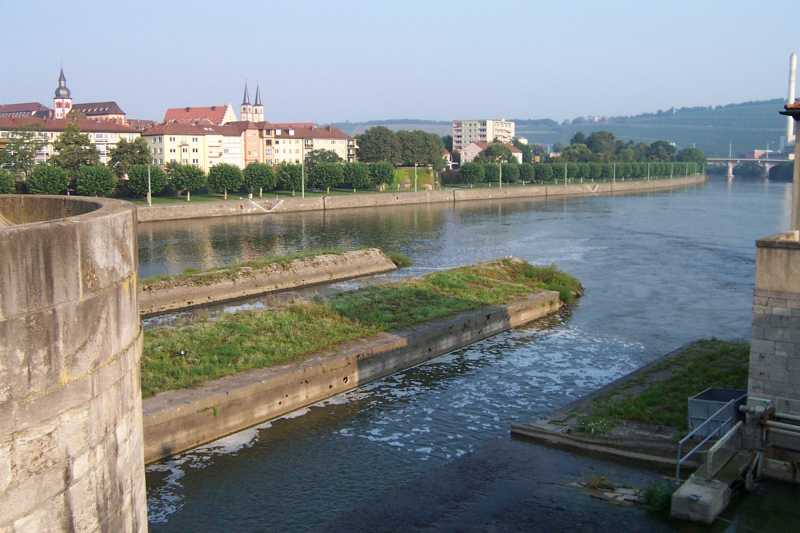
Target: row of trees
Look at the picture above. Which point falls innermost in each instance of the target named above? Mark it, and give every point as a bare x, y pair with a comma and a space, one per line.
602, 146
477, 172
402, 148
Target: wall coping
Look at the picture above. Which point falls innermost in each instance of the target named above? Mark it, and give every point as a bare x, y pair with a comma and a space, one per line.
789, 240
92, 207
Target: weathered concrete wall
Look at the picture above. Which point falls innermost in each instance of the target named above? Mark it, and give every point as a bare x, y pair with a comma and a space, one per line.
175, 421
349, 201
775, 348
170, 295
70, 341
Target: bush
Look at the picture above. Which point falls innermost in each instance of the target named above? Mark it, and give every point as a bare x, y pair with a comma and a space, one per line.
7, 182
95, 180
381, 173
658, 497
137, 179
289, 176
357, 175
510, 172
186, 178
48, 179
491, 172
471, 172
526, 172
259, 177
326, 175
225, 178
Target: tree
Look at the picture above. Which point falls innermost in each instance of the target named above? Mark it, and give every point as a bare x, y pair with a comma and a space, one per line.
379, 144
95, 180
578, 138
258, 176
126, 154
447, 142
660, 151
694, 155
48, 179
526, 172
511, 172
186, 178
357, 175
577, 152
137, 179
7, 181
326, 175
289, 176
381, 173
19, 153
602, 143
491, 172
315, 157
225, 177
471, 172
74, 150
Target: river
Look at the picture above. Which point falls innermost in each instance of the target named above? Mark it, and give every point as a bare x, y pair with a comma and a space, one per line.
429, 448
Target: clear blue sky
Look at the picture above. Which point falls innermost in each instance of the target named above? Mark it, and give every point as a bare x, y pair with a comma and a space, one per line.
358, 60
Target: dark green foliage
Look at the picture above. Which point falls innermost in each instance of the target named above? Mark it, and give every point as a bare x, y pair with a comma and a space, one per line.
185, 178
356, 175
315, 157
7, 182
326, 175
258, 176
225, 178
471, 172
289, 176
48, 179
379, 144
95, 180
137, 179
74, 150
381, 173
658, 496
491, 172
526, 172
510, 172
19, 153
127, 154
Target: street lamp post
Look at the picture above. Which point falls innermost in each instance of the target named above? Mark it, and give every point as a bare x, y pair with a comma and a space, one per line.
415, 177
303, 168
500, 167
149, 188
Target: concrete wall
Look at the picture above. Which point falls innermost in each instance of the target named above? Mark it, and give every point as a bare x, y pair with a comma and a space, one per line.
175, 421
170, 294
349, 201
70, 341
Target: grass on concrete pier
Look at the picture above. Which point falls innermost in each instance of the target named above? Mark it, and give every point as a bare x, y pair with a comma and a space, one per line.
193, 276
178, 357
659, 396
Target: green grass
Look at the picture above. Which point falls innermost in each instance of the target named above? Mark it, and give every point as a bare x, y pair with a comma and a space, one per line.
196, 197
206, 277
657, 497
659, 397
257, 339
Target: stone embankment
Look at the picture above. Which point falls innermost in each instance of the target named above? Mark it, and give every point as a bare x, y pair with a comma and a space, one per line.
184, 291
179, 420
187, 210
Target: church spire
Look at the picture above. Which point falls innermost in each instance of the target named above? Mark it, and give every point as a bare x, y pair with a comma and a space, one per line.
258, 95
246, 97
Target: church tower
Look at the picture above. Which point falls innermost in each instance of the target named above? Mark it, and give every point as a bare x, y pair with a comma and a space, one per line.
258, 108
246, 110
62, 102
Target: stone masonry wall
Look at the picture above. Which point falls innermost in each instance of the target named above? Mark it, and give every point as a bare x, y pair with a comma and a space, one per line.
71, 454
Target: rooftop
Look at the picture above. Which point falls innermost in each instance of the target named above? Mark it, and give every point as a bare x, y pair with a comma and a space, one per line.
54, 125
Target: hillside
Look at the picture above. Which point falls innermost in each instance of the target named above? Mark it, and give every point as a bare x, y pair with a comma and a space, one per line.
747, 125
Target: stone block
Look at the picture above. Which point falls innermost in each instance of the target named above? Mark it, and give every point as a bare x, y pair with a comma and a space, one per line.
699, 500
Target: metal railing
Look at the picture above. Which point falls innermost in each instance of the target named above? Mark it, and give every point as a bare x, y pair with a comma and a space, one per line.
721, 424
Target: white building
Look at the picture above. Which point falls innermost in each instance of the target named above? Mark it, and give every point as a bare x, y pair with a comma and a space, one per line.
467, 131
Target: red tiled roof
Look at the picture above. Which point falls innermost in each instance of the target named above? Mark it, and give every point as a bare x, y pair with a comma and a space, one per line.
85, 125
26, 107
187, 115
178, 128
325, 132
293, 125
483, 145
141, 124
99, 108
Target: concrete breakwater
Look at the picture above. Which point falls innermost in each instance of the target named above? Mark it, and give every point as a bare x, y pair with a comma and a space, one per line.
187, 210
179, 292
179, 420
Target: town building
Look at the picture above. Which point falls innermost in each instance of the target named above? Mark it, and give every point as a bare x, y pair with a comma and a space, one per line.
467, 131
473, 149
104, 135
63, 105
290, 144
192, 144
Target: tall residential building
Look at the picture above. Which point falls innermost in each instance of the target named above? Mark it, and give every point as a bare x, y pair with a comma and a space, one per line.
468, 131
288, 143
192, 144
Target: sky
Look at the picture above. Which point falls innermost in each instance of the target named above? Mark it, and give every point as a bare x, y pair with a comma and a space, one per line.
353, 60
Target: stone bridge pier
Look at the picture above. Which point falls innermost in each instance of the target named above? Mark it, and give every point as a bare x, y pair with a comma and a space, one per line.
71, 451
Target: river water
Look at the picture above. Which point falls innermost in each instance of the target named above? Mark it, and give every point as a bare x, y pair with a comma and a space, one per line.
429, 448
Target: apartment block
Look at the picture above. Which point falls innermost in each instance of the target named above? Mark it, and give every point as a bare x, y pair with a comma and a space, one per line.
468, 131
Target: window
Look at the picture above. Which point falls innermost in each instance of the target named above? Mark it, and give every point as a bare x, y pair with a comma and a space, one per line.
194, 139
172, 151
195, 161
194, 150
184, 149
172, 139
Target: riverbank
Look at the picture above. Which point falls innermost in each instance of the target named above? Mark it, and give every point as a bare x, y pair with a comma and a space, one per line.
256, 206
347, 341
641, 416
190, 289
